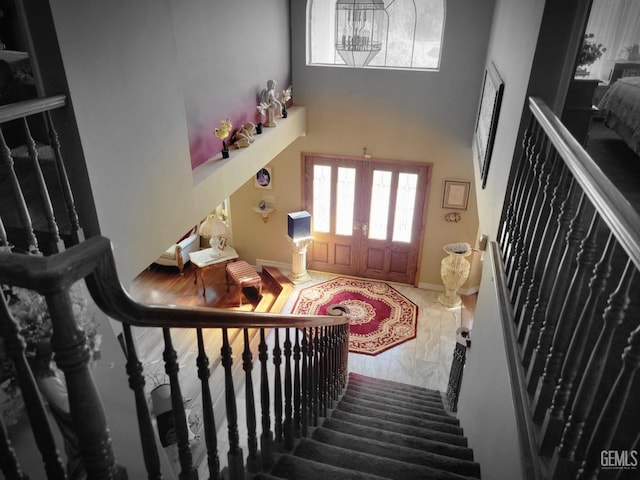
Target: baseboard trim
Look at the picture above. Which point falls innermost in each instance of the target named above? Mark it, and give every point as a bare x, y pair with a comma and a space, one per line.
283, 267
440, 288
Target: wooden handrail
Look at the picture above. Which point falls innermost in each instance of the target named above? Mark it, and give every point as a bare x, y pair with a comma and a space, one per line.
14, 111
93, 260
615, 210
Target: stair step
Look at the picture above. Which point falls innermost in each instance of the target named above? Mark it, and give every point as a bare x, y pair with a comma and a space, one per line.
400, 439
404, 429
412, 396
367, 463
265, 476
434, 415
393, 385
398, 400
297, 468
407, 455
454, 430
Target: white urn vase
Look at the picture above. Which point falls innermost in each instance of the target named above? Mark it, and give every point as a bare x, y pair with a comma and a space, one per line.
454, 270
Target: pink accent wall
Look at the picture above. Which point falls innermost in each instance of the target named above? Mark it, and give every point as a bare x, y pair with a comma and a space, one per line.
226, 53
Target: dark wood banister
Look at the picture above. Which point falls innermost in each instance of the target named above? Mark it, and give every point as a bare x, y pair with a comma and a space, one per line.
15, 111
615, 210
93, 260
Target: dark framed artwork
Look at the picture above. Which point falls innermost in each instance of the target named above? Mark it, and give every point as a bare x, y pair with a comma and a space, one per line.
263, 178
490, 100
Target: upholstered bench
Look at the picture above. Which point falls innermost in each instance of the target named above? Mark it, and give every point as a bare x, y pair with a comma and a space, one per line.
242, 275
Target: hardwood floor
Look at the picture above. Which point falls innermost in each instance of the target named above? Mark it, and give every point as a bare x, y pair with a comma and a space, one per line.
164, 285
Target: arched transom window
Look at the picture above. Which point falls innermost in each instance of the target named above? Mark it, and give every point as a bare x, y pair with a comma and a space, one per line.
395, 34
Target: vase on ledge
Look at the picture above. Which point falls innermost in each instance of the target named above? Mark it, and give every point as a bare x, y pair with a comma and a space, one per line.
454, 270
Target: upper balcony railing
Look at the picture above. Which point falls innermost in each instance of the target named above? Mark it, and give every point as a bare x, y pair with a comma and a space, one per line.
566, 262
41, 253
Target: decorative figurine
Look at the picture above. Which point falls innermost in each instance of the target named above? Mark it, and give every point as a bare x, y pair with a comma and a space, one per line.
244, 135
268, 96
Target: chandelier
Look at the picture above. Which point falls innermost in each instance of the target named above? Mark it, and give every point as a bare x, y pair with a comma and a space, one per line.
359, 28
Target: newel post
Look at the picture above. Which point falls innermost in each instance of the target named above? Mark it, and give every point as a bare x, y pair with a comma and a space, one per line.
87, 412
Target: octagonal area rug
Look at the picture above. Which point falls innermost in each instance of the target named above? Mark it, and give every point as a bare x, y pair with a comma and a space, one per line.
380, 316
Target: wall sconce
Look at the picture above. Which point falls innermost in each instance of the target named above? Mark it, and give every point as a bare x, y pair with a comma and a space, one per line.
453, 217
263, 210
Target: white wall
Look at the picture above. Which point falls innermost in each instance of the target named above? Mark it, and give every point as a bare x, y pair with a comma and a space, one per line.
485, 408
511, 48
121, 64
149, 80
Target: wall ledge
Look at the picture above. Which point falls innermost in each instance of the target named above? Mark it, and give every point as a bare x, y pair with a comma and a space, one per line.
217, 178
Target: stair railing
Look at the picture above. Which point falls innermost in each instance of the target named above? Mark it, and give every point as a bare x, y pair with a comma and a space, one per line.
308, 353
565, 263
52, 276
457, 368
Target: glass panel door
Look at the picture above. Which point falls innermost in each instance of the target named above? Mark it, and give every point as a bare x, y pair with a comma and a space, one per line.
331, 194
345, 200
367, 216
379, 205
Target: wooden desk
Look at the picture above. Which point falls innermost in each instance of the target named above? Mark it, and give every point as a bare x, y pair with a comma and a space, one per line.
203, 259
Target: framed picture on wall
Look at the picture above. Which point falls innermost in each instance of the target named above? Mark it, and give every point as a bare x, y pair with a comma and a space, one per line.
488, 112
263, 178
455, 194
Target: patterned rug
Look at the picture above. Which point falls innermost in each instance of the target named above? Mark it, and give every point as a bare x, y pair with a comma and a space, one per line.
381, 317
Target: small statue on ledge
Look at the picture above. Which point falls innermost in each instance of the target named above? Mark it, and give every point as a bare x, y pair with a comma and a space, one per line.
245, 135
268, 96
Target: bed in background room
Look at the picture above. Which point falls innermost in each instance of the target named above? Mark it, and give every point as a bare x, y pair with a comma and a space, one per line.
621, 106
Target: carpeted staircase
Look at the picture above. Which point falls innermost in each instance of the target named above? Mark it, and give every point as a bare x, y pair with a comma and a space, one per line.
381, 429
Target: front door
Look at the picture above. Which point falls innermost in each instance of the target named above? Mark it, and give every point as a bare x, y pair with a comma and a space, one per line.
368, 216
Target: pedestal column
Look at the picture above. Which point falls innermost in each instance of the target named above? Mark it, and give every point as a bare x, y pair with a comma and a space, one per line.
299, 259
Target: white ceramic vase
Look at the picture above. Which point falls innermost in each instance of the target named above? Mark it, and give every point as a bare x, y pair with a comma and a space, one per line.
454, 270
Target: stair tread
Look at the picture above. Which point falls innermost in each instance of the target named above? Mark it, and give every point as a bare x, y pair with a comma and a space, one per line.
423, 413
265, 476
393, 393
392, 384
401, 419
295, 468
364, 462
369, 394
380, 448
401, 439
400, 428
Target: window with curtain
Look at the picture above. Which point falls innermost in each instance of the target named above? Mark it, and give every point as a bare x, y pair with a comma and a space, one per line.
615, 24
391, 34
